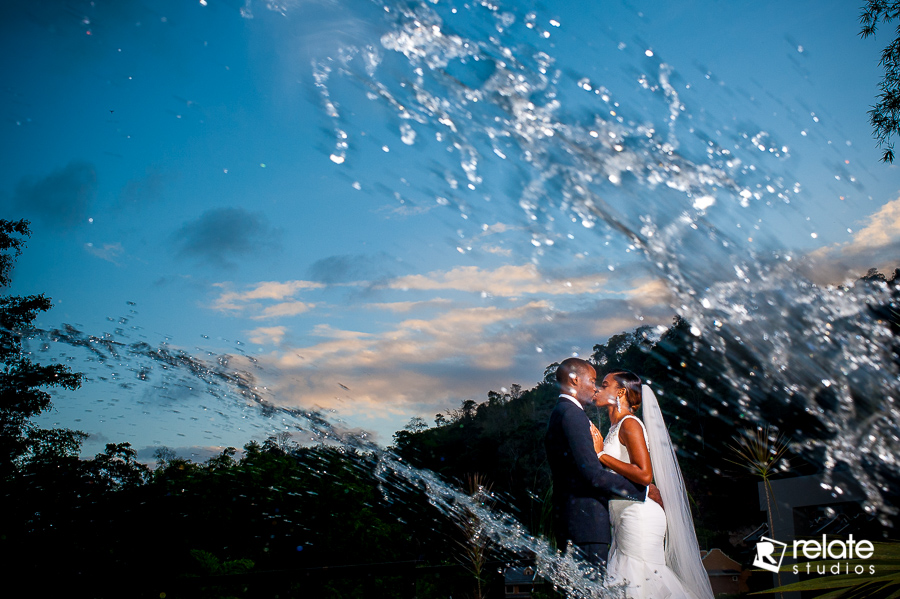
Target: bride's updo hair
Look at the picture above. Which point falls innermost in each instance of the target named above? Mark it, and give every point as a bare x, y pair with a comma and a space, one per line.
632, 385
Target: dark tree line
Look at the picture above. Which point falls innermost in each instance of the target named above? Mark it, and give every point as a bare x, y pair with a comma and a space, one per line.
281, 520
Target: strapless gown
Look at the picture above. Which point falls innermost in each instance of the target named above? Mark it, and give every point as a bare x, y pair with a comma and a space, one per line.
637, 553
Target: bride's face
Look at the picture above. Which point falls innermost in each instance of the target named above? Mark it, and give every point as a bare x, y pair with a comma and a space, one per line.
608, 392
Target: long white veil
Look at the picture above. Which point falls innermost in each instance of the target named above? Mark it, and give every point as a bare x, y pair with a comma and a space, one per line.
682, 549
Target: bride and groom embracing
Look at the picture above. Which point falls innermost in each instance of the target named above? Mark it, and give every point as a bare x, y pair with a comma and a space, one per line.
604, 501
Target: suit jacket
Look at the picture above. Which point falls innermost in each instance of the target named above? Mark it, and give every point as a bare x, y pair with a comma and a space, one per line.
581, 485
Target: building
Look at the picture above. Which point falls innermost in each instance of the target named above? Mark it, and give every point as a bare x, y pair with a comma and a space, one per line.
519, 582
726, 576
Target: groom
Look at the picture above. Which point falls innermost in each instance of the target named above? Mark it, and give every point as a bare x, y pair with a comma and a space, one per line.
581, 486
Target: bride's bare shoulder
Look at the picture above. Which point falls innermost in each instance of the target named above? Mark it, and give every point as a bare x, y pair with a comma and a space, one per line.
631, 427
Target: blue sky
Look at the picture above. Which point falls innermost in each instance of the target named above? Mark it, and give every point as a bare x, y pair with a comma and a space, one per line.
177, 155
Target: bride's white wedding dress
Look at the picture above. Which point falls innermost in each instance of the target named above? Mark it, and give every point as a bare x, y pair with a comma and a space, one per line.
637, 556
653, 558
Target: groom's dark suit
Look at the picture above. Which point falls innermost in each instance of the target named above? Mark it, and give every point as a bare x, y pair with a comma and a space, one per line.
581, 486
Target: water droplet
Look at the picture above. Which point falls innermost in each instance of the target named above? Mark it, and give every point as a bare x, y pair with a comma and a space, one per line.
704, 202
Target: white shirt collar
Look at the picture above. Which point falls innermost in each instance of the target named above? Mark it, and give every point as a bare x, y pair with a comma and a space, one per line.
572, 399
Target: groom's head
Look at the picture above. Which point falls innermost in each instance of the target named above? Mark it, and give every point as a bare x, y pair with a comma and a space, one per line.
577, 378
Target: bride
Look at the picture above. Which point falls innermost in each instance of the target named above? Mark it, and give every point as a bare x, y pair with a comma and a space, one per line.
654, 552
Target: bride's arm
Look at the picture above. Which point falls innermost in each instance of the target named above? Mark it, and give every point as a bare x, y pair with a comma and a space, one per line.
639, 471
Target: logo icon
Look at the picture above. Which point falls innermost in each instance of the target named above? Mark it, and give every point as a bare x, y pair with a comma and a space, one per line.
766, 550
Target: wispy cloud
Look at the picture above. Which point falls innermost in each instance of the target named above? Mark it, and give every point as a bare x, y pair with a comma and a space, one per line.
404, 307
219, 236
426, 355
646, 292
60, 199
417, 361
353, 268
109, 252
423, 365
326, 330
284, 309
266, 290
493, 249
268, 299
465, 336
142, 191
497, 228
267, 335
876, 245
882, 230
406, 209
505, 281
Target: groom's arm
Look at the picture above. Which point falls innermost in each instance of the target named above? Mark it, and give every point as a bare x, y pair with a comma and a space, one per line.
576, 428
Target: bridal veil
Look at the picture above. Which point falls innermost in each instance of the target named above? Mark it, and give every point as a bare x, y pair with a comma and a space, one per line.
682, 550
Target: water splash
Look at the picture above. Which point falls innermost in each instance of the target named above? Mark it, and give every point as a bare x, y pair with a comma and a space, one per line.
486, 514
583, 159
568, 572
508, 116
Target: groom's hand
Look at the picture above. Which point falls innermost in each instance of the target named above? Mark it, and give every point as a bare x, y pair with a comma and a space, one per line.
653, 493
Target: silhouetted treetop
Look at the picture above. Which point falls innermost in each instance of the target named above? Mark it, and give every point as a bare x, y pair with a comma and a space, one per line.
11, 246
23, 383
885, 114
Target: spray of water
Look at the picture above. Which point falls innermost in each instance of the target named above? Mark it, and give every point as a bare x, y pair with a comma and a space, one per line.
507, 115
508, 118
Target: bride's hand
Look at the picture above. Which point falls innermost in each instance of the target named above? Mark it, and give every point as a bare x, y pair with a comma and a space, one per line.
598, 438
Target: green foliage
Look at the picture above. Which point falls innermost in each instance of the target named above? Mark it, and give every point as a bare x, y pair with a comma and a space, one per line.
885, 114
23, 382
211, 566
475, 546
117, 468
760, 452
502, 438
285, 512
46, 446
11, 244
